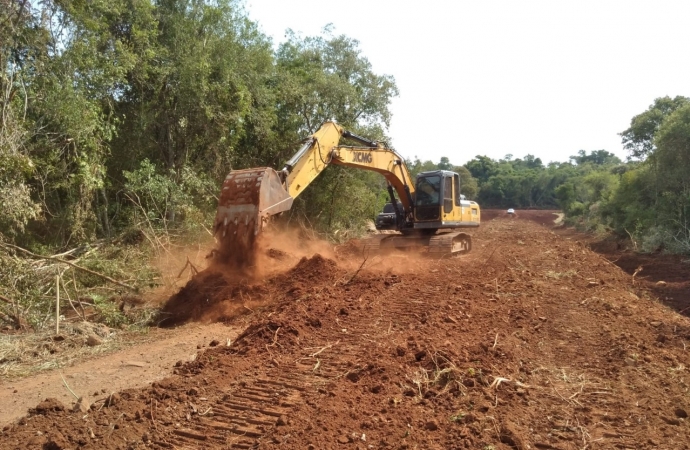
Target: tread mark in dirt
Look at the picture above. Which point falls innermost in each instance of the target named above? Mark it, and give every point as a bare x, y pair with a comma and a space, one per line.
246, 412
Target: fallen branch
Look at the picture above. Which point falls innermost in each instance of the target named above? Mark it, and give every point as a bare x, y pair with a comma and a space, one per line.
490, 256
70, 390
638, 270
62, 261
192, 268
275, 338
634, 242
6, 300
324, 348
356, 271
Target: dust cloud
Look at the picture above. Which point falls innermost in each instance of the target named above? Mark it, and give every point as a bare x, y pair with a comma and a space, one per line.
232, 281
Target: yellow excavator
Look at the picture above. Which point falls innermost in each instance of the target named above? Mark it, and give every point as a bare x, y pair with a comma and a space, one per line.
425, 214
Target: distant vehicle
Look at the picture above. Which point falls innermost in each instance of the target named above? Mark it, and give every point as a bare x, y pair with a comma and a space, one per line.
511, 211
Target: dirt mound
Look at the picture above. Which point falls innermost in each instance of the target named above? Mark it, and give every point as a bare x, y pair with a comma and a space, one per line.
530, 341
219, 294
211, 295
314, 269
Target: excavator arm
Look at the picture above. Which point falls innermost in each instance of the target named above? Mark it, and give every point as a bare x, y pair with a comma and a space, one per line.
250, 196
322, 149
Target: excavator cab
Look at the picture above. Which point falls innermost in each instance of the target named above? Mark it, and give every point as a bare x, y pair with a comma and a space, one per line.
439, 204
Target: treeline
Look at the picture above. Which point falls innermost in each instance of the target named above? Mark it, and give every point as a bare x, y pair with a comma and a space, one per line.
648, 198
127, 114
120, 114
645, 199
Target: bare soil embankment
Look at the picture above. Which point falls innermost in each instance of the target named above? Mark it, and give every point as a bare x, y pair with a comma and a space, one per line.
532, 340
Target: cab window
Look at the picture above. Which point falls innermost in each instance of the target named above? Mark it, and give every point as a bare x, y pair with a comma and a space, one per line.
428, 191
447, 195
456, 183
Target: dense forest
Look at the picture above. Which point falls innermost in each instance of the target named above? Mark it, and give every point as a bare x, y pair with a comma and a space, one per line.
120, 119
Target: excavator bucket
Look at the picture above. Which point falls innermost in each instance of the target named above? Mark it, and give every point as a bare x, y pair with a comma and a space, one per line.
248, 198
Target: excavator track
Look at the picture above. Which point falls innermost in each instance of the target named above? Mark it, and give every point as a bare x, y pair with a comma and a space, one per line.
437, 245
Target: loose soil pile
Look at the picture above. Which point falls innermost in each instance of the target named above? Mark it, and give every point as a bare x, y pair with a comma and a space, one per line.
531, 341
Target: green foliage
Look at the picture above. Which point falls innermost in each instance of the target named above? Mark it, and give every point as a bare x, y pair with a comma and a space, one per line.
639, 138
649, 201
595, 157
122, 117
326, 77
342, 201
130, 113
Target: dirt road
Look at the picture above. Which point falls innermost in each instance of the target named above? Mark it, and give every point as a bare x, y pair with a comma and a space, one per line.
531, 341
137, 365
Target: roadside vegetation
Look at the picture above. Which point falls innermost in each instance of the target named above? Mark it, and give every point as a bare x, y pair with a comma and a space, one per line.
645, 199
119, 119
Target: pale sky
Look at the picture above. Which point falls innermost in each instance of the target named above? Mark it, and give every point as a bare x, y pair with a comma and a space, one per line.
492, 77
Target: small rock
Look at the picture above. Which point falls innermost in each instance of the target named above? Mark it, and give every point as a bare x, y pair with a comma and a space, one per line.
647, 358
58, 338
681, 413
431, 425
193, 392
344, 312
343, 439
82, 406
450, 319
655, 323
93, 341
282, 421
661, 283
214, 343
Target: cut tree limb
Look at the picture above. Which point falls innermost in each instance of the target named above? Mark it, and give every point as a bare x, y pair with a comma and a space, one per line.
83, 269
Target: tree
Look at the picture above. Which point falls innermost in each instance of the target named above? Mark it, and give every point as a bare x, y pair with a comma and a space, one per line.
482, 167
595, 157
326, 77
639, 138
321, 78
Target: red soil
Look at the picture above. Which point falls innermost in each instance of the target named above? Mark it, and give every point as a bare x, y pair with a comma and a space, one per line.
532, 340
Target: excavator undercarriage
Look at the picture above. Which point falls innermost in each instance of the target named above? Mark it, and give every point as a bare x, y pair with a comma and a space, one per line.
447, 243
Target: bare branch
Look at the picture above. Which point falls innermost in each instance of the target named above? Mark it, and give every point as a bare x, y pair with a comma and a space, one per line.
83, 269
